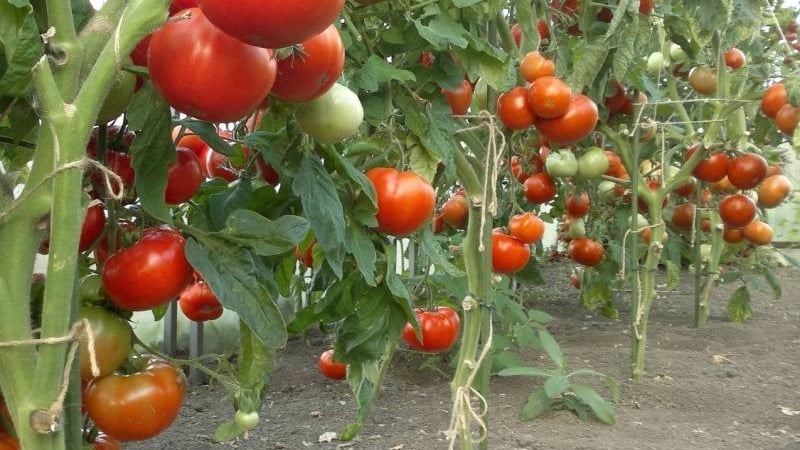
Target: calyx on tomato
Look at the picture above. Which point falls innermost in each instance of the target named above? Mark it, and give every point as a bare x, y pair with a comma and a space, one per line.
438, 329
405, 200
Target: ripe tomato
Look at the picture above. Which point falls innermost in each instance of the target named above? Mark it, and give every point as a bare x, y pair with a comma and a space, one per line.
773, 99
184, 177
93, 225
305, 256
101, 251
683, 217
618, 98
567, 6
439, 330
405, 200
534, 65
312, 68
189, 44
509, 254
645, 6
687, 188
615, 167
703, 80
757, 232
113, 340
773, 191
711, 169
333, 117
216, 165
732, 235
460, 98
585, 251
539, 188
456, 210
787, 118
513, 109
576, 124
330, 368
150, 273
737, 210
747, 171
272, 23
7, 442
138, 406
199, 303
734, 58
527, 227
549, 97
577, 206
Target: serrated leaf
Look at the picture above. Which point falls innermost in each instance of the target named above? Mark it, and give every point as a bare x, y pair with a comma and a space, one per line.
588, 64
739, 309
265, 237
525, 19
551, 347
505, 360
602, 409
433, 250
442, 32
525, 372
323, 208
629, 42
231, 272
208, 133
620, 16
27, 50
152, 151
377, 71
422, 162
360, 245
223, 203
344, 166
538, 403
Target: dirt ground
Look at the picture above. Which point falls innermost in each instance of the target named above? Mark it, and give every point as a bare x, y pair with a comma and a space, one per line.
748, 398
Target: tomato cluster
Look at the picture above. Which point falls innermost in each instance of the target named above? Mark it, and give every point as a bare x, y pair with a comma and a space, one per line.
775, 105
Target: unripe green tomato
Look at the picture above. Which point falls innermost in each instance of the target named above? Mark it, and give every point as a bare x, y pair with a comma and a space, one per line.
246, 420
118, 98
333, 117
480, 95
561, 164
592, 163
641, 222
656, 64
605, 189
91, 289
676, 54
577, 228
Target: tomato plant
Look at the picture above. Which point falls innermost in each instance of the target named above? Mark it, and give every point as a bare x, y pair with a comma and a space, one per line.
137, 406
438, 330
405, 200
329, 367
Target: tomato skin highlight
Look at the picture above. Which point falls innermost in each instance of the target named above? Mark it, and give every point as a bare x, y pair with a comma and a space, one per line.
150, 273
138, 406
405, 200
439, 329
189, 43
310, 72
331, 368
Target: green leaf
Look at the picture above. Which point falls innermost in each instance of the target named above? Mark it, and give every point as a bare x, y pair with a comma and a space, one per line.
208, 133
525, 372
465, 3
526, 21
538, 403
323, 208
232, 273
552, 348
423, 162
629, 42
433, 250
376, 320
588, 64
366, 379
152, 150
227, 431
223, 203
377, 71
575, 405
555, 385
772, 281
159, 312
27, 50
360, 245
265, 237
601, 408
442, 32
739, 309
505, 360
345, 167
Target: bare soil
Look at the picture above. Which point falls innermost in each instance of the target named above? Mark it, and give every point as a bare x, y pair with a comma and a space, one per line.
724, 386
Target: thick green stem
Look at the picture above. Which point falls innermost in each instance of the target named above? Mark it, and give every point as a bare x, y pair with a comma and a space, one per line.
702, 308
641, 311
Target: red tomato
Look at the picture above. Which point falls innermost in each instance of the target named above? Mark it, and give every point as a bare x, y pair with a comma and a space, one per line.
217, 165
683, 217
567, 6
576, 124
199, 304
618, 99
150, 273
541, 27
455, 211
405, 200
734, 58
757, 232
513, 109
585, 251
311, 69
732, 235
615, 167
787, 118
184, 177
517, 170
527, 227
737, 210
330, 368
578, 206
7, 442
93, 225
272, 23
534, 66
539, 188
773, 191
747, 171
139, 53
773, 99
113, 340
191, 141
177, 6
229, 78
711, 169
687, 188
646, 6
509, 254
305, 256
138, 406
460, 98
439, 330
549, 97
101, 251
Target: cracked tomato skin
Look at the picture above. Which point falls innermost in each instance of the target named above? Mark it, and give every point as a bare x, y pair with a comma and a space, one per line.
272, 23
311, 70
229, 79
148, 274
405, 200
